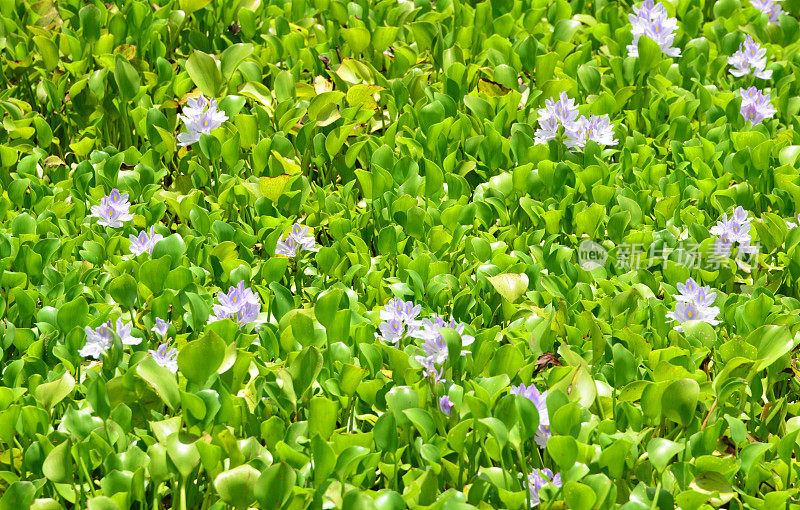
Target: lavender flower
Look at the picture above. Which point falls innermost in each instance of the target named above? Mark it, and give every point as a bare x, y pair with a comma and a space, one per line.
734, 230
286, 247
398, 309
564, 110
692, 292
537, 479
689, 311
741, 215
750, 58
240, 304
165, 357
236, 298
113, 210
300, 233
560, 112
123, 331
161, 327
398, 319
547, 131
434, 340
771, 8
248, 314
201, 116
651, 20
97, 340
445, 405
688, 290
391, 331
790, 224
429, 368
435, 348
756, 105
117, 200
296, 238
594, 128
694, 303
540, 401
144, 243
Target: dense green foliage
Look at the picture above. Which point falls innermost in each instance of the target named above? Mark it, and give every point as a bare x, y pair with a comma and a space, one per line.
402, 134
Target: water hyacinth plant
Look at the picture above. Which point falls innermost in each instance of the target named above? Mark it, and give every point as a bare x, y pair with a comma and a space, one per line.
113, 210
297, 239
144, 242
398, 318
540, 401
434, 345
772, 8
749, 58
694, 303
369, 254
161, 327
165, 357
240, 304
756, 106
594, 128
577, 131
124, 331
651, 20
445, 405
98, 340
735, 230
200, 116
560, 112
538, 479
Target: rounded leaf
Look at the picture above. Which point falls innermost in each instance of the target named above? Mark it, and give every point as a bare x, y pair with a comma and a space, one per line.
237, 486
198, 359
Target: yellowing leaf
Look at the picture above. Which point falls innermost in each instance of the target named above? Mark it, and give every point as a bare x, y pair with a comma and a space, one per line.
304, 90
363, 95
289, 166
353, 71
321, 84
492, 89
510, 285
272, 187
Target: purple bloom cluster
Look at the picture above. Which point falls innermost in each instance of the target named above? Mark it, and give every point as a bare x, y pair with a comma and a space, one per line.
651, 20
200, 116
98, 340
537, 479
297, 238
733, 230
540, 401
750, 57
165, 357
143, 242
564, 112
771, 8
434, 345
398, 319
755, 105
240, 304
694, 303
113, 210
597, 128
